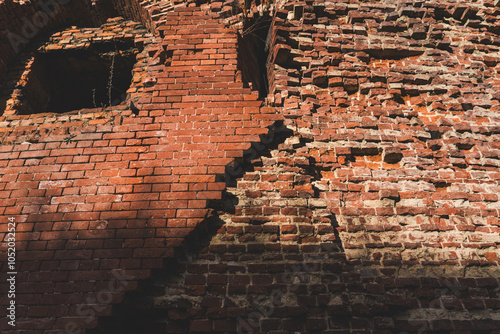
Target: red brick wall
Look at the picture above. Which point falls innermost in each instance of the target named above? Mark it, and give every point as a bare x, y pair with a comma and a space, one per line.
100, 193
400, 111
373, 209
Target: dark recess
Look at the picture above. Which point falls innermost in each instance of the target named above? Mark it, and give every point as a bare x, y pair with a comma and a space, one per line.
64, 80
75, 76
252, 53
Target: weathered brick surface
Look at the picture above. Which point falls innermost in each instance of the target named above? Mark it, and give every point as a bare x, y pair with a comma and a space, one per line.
369, 205
102, 197
400, 109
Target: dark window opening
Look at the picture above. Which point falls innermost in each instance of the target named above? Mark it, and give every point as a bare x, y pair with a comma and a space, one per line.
90, 78
252, 53
78, 69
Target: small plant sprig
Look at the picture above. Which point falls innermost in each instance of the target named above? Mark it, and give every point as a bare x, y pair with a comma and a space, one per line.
93, 98
110, 81
69, 138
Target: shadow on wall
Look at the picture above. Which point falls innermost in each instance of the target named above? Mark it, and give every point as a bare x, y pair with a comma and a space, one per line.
232, 276
239, 272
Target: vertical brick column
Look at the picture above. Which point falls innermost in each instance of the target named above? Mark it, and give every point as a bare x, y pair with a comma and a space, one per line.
203, 117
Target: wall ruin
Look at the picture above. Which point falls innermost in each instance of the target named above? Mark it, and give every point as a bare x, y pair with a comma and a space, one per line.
360, 195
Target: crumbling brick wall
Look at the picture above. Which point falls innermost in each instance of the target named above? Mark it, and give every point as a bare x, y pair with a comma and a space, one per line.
398, 101
360, 196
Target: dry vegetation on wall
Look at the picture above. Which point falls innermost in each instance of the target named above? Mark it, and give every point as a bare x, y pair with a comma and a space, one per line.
292, 167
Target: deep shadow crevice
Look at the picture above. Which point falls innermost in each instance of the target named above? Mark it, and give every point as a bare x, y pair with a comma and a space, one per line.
252, 53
